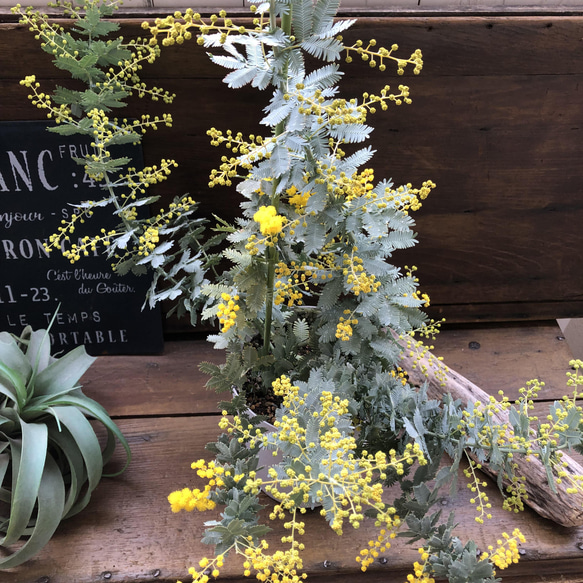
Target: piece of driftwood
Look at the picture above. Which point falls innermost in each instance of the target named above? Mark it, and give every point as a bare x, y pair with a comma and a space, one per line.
563, 508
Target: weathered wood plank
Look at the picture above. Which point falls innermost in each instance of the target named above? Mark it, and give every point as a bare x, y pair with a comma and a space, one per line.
166, 384
505, 357
127, 531
496, 123
171, 383
458, 45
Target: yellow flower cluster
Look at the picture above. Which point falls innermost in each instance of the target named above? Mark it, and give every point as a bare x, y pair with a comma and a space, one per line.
359, 185
506, 552
375, 547
544, 436
419, 575
227, 311
270, 223
344, 327
575, 379
41, 100
287, 287
516, 493
145, 243
253, 149
210, 471
417, 295
350, 481
480, 498
253, 145
84, 245
403, 198
280, 567
106, 131
189, 500
209, 569
293, 278
370, 54
342, 111
356, 278
137, 181
400, 374
178, 27
236, 426
148, 240
503, 434
298, 199
421, 354
54, 40
407, 198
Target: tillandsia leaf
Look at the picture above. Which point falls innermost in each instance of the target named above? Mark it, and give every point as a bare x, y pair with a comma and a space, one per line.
64, 443
12, 357
7, 389
38, 351
96, 411
85, 439
64, 372
50, 502
28, 460
47, 438
13, 382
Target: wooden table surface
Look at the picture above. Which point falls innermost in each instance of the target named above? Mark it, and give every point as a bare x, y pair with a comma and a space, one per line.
127, 533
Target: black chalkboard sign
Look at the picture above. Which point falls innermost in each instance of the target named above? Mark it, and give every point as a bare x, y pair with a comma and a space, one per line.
38, 180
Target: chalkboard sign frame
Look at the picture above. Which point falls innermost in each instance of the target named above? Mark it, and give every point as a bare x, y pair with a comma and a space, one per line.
39, 180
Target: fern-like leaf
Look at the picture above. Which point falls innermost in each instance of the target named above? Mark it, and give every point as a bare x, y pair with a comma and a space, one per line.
227, 62
301, 330
302, 19
359, 158
240, 77
280, 160
324, 77
327, 49
324, 13
352, 133
335, 29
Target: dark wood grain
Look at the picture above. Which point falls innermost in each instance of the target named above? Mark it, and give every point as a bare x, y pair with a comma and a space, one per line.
493, 357
504, 358
495, 122
166, 384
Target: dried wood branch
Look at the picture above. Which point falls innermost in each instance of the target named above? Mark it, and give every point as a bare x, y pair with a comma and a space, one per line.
563, 508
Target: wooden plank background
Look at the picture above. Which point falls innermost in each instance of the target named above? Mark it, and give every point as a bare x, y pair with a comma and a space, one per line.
496, 122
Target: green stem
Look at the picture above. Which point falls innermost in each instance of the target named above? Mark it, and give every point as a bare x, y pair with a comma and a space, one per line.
271, 254
128, 227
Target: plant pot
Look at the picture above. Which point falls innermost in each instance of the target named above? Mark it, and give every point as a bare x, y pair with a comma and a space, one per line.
268, 458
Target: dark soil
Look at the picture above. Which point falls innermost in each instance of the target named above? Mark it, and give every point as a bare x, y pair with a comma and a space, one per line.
260, 403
